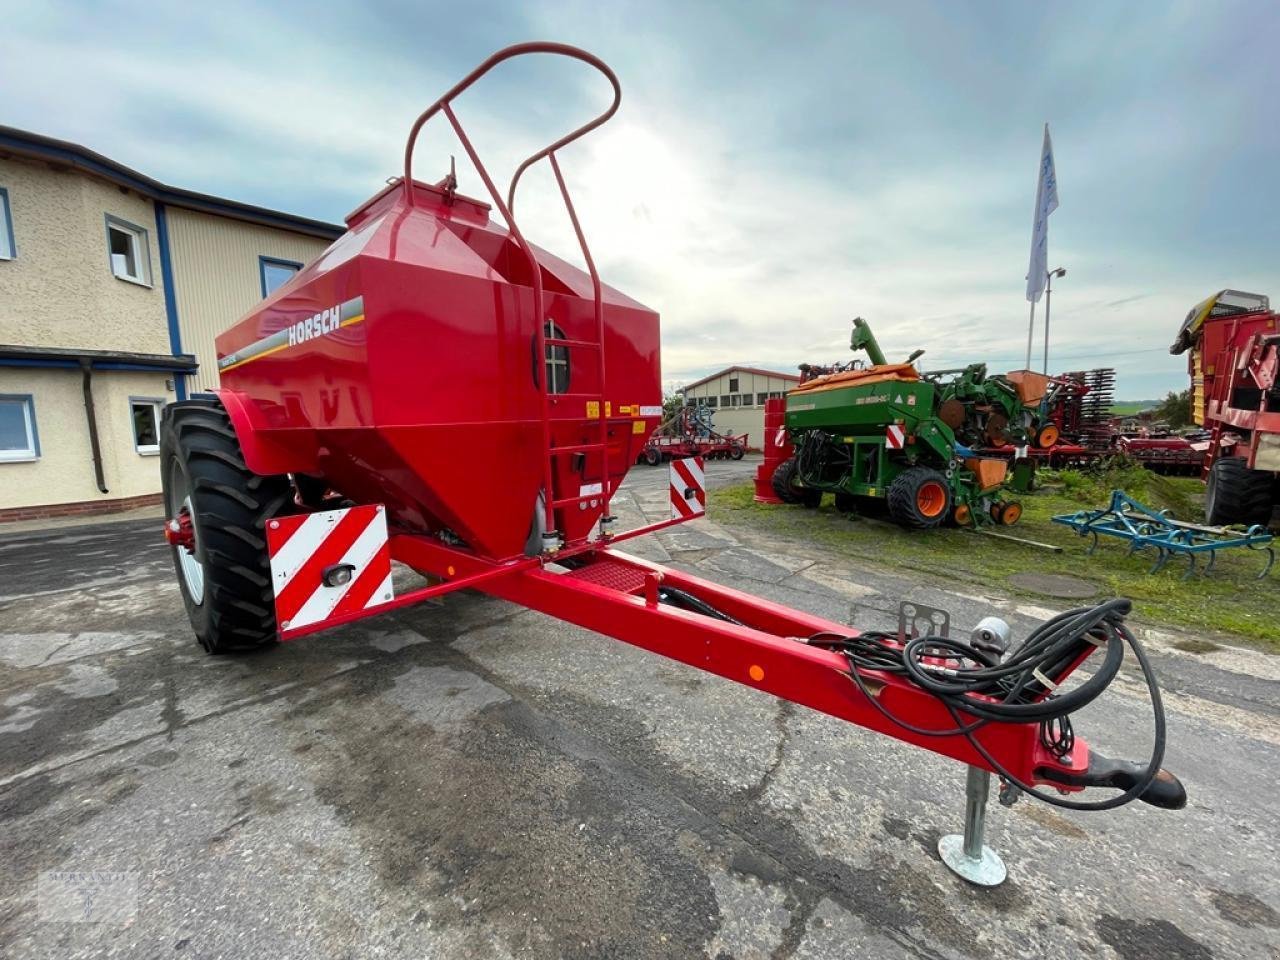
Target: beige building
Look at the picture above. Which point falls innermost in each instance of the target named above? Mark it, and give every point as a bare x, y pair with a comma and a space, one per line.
736, 398
112, 288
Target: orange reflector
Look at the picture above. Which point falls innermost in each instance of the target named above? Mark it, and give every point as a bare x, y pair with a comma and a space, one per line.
756, 673
449, 571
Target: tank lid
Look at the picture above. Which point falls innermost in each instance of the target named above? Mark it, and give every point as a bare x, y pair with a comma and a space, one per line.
429, 196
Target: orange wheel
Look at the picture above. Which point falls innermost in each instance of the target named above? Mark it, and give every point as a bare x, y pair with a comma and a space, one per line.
1006, 514
1047, 436
931, 499
962, 514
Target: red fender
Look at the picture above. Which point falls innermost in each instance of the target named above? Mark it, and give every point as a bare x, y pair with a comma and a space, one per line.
265, 453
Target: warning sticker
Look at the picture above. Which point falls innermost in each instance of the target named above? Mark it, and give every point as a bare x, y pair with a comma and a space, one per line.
637, 426
651, 411
593, 409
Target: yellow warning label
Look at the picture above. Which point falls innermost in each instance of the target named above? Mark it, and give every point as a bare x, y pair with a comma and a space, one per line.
637, 426
608, 411
593, 409
624, 410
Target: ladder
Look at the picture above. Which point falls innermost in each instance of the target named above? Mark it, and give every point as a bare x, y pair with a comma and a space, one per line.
554, 502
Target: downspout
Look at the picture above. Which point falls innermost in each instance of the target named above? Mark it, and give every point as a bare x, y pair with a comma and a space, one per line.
86, 368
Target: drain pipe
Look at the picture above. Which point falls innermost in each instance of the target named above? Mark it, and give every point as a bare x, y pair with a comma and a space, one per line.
86, 368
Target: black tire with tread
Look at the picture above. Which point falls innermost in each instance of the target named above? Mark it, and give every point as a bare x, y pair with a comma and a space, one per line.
785, 486
902, 502
1236, 494
231, 507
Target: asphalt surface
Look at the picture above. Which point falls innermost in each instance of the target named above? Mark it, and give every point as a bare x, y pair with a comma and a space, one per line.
467, 779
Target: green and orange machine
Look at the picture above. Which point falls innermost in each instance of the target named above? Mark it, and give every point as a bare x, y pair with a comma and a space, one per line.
886, 432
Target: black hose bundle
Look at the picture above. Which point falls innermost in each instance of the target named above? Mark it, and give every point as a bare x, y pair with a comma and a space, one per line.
1021, 688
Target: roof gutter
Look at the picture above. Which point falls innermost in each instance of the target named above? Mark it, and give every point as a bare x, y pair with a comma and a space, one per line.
71, 357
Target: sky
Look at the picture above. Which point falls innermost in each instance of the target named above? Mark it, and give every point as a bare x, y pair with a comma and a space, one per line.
775, 169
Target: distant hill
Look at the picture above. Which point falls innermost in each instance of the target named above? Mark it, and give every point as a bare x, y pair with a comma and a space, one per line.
1127, 408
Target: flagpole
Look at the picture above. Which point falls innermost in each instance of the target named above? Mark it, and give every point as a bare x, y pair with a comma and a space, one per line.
1048, 298
1031, 329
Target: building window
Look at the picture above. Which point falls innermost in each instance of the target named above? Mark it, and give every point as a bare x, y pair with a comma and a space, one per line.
761, 398
18, 437
145, 414
711, 401
775, 395
746, 399
733, 384
8, 249
275, 273
130, 255
725, 400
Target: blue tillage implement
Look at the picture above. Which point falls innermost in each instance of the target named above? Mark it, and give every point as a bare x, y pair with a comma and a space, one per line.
1143, 527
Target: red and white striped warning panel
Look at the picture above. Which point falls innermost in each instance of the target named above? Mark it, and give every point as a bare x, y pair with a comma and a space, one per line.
895, 438
688, 488
329, 563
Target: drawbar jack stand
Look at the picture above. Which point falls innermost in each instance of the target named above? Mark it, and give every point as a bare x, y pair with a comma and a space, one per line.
968, 856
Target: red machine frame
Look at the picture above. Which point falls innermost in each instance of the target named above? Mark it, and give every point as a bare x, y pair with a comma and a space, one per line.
586, 581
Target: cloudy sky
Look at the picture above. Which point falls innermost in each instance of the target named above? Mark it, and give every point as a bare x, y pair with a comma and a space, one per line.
775, 169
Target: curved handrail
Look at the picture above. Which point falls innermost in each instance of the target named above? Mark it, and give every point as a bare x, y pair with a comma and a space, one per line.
516, 50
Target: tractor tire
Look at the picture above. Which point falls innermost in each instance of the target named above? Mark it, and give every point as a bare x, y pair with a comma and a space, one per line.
226, 580
737, 451
783, 482
919, 498
652, 456
1237, 494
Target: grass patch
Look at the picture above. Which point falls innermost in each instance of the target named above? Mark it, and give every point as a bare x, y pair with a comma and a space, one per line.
1230, 601
1127, 408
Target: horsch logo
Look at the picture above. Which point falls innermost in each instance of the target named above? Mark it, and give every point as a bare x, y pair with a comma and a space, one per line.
326, 321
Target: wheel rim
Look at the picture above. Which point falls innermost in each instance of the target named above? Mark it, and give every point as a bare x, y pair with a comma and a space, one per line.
1011, 514
962, 514
931, 498
190, 565
1048, 437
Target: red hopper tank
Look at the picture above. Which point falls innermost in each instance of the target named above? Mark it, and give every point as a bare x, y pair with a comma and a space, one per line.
401, 366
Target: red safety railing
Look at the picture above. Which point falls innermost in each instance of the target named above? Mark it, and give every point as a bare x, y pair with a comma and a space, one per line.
550, 504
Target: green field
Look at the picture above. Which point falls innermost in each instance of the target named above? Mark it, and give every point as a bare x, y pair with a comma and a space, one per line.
1127, 408
1228, 604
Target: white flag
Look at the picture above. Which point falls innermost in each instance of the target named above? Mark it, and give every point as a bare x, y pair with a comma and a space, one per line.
1046, 203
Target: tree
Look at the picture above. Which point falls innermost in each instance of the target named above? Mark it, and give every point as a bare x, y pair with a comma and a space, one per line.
1175, 409
671, 405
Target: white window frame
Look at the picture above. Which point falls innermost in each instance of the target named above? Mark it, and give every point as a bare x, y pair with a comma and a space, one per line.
8, 246
141, 250
156, 404
32, 450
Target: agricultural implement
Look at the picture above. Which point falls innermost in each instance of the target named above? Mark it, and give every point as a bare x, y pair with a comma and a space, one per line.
690, 432
885, 432
333, 448
1232, 342
1147, 529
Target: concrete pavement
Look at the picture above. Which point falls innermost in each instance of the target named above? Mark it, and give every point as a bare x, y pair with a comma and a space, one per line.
467, 779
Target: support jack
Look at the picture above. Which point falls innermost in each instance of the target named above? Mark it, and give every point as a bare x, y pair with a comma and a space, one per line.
967, 856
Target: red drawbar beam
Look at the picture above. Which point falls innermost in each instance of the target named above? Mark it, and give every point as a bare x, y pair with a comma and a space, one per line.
766, 655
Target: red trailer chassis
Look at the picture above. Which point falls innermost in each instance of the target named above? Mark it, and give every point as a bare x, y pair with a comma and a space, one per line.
318, 382
660, 449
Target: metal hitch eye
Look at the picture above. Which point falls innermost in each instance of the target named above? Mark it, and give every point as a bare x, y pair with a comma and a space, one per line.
338, 575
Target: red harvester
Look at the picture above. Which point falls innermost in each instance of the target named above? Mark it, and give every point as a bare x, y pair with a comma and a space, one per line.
436, 390
1232, 342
